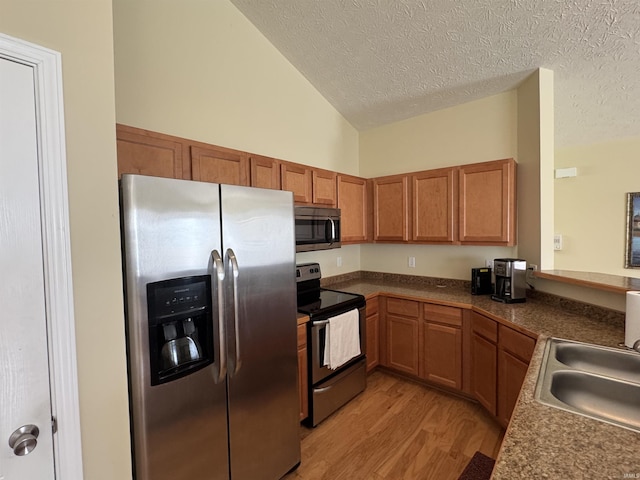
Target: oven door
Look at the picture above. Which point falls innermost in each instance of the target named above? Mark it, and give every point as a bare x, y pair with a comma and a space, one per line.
317, 331
317, 228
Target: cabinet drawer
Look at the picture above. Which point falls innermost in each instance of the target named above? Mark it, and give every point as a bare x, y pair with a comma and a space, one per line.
517, 343
408, 308
441, 314
302, 335
485, 327
372, 306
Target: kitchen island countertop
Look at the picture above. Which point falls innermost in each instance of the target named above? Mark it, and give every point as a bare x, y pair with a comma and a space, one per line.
540, 441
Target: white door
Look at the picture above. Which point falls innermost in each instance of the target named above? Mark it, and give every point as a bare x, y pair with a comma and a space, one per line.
25, 398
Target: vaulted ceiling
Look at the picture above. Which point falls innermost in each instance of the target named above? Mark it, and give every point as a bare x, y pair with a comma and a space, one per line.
381, 61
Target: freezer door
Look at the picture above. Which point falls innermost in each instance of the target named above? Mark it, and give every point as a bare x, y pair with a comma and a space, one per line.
259, 244
170, 228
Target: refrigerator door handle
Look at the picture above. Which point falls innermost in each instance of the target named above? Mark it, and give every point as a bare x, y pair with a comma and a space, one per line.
221, 356
235, 272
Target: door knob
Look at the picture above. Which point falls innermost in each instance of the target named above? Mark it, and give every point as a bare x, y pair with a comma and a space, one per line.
24, 440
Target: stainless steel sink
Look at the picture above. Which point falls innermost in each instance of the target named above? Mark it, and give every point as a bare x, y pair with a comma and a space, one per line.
597, 382
600, 360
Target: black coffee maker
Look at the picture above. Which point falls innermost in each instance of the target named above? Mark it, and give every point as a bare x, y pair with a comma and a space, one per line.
511, 284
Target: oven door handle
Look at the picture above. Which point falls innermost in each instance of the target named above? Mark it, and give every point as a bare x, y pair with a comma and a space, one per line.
322, 389
320, 323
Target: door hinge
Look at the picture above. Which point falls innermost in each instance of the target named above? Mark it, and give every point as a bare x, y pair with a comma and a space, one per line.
54, 425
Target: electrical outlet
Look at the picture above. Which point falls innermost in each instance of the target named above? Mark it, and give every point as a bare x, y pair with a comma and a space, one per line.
412, 262
488, 263
339, 261
532, 267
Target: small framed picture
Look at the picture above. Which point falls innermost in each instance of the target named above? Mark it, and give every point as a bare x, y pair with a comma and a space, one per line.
632, 256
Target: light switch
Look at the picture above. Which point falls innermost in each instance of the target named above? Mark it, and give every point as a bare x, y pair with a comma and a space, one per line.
557, 242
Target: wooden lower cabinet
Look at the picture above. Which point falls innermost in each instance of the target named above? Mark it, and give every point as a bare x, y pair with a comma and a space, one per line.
500, 358
303, 376
373, 335
511, 374
484, 372
442, 346
484, 361
402, 325
514, 354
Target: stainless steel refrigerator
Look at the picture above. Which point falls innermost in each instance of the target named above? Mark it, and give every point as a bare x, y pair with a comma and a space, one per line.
211, 329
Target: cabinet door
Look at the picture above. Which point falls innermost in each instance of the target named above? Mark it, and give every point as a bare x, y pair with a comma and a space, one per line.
149, 153
219, 165
484, 371
373, 341
303, 375
353, 205
297, 179
265, 172
391, 208
514, 354
443, 354
435, 202
511, 374
487, 209
373, 334
402, 344
324, 188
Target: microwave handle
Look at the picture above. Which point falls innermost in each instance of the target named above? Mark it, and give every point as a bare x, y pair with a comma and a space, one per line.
331, 237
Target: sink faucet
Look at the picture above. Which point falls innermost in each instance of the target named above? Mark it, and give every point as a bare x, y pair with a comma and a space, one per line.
636, 345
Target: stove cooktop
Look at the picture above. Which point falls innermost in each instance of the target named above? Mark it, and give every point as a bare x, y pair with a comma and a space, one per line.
328, 301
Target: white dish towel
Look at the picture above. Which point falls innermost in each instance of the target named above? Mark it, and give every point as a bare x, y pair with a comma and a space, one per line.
342, 339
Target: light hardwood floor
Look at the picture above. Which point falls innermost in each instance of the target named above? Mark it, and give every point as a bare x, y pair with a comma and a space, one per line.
397, 429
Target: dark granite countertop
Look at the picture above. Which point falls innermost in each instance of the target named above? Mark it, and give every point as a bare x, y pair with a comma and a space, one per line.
540, 441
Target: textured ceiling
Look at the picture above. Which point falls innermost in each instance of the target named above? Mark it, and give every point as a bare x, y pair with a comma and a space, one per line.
381, 61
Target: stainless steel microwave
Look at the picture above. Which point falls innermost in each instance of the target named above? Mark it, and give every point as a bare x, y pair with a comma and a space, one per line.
317, 228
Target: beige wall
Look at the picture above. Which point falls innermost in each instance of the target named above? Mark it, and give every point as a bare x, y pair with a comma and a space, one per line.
535, 168
82, 32
590, 208
475, 132
201, 70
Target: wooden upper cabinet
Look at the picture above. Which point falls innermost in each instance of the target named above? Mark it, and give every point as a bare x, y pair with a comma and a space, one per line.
324, 187
265, 172
435, 202
219, 165
297, 179
487, 210
391, 208
150, 153
353, 204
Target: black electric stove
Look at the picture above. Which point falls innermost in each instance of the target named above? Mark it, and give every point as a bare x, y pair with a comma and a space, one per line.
314, 300
329, 389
